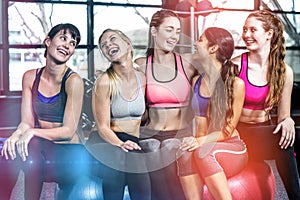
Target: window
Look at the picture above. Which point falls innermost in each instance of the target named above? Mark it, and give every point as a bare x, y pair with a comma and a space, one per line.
29, 21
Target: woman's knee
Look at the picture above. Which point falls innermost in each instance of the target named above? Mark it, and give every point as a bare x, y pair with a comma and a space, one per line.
150, 145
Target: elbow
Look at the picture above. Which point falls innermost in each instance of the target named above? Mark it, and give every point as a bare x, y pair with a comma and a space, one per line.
69, 134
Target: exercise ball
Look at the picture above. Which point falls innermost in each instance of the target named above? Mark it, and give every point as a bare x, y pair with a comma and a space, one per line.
255, 182
204, 5
184, 6
86, 188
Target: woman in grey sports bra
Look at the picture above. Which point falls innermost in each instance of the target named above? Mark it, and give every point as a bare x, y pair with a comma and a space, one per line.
118, 106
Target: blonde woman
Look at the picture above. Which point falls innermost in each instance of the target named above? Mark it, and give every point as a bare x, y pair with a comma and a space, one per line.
118, 106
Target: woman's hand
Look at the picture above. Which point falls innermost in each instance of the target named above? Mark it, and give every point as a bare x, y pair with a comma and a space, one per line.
190, 143
9, 146
129, 145
287, 127
22, 143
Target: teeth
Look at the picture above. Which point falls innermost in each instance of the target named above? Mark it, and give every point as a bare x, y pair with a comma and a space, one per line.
62, 51
113, 51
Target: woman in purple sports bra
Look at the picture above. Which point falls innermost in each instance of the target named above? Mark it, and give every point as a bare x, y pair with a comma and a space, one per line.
216, 152
46, 139
168, 80
268, 86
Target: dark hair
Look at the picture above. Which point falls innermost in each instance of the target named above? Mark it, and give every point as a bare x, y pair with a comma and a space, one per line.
156, 20
219, 106
66, 26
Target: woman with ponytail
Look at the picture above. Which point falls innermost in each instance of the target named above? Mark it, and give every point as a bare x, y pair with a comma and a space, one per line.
268, 86
216, 152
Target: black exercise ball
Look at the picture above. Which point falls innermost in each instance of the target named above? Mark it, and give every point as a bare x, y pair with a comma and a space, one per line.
86, 188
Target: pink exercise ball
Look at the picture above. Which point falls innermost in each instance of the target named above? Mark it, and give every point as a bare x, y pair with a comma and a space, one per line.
255, 182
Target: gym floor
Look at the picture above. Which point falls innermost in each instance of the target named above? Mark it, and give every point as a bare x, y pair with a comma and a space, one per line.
49, 188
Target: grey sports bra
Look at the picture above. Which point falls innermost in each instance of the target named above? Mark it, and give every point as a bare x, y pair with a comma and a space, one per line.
124, 109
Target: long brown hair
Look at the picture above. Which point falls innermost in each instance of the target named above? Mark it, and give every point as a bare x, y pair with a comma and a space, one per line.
221, 109
156, 20
277, 67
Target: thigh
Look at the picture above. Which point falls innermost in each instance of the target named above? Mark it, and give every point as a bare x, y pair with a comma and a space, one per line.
261, 143
216, 157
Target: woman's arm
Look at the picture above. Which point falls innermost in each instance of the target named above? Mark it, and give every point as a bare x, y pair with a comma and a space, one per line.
238, 101
27, 118
101, 109
65, 132
285, 122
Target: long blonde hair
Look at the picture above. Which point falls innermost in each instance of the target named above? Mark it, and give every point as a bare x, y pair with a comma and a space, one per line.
114, 83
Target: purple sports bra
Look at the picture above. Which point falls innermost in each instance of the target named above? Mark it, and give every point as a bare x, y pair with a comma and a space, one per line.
167, 94
255, 96
199, 103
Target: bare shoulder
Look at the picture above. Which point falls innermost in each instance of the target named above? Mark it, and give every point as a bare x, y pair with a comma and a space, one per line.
289, 71
74, 79
141, 62
142, 75
189, 65
102, 80
187, 56
239, 83
28, 78
74, 84
30, 73
236, 60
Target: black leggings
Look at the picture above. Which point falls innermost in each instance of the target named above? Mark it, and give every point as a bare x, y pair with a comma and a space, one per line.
162, 147
120, 168
51, 162
9, 172
262, 145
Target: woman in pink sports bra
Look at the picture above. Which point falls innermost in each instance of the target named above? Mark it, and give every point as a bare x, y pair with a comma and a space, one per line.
168, 80
268, 85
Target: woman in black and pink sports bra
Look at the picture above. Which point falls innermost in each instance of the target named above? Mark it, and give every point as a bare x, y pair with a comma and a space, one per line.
268, 84
168, 88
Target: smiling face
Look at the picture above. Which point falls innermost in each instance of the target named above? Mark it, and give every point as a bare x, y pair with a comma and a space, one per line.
254, 35
61, 47
201, 45
113, 46
166, 36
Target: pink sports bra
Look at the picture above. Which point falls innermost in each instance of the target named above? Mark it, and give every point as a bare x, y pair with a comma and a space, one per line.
167, 94
255, 96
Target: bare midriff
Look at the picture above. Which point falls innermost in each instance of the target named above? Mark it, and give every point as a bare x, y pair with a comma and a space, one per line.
254, 116
169, 119
130, 127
